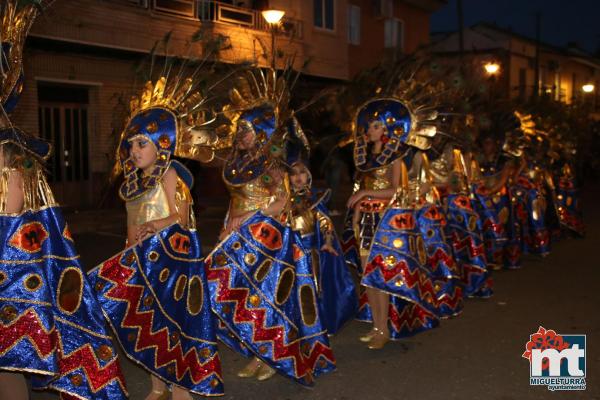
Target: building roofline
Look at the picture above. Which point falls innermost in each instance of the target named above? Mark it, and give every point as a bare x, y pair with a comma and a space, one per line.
427, 5
576, 53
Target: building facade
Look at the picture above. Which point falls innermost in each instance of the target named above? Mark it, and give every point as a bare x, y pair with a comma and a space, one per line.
81, 60
564, 74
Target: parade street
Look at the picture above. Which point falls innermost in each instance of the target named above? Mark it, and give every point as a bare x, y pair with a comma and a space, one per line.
476, 355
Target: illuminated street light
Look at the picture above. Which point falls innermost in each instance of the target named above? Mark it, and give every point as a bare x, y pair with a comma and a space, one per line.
492, 68
588, 88
273, 17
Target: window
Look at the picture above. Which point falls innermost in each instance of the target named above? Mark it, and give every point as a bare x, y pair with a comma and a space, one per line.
142, 3
353, 24
394, 34
522, 82
324, 14
179, 7
383, 8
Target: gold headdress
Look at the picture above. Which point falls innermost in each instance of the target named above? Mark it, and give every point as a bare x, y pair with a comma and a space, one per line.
259, 102
258, 97
25, 153
173, 115
410, 98
17, 18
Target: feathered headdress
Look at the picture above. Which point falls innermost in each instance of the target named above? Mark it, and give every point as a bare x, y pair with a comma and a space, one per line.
259, 103
17, 17
409, 98
173, 115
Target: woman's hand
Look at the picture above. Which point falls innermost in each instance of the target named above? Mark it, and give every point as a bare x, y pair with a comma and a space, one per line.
329, 248
234, 224
144, 230
355, 198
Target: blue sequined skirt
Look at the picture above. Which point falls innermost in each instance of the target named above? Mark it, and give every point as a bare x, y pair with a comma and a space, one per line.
154, 295
262, 288
50, 322
463, 231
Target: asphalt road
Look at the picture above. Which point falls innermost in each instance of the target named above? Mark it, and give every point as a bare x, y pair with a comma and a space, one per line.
475, 355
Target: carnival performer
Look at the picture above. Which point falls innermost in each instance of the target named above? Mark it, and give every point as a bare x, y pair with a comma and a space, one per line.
154, 292
494, 205
377, 186
528, 190
553, 153
463, 227
391, 245
51, 327
434, 250
261, 280
566, 197
337, 297
407, 268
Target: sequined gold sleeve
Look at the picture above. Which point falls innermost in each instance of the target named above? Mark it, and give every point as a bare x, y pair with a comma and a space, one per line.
325, 223
326, 227
183, 203
303, 221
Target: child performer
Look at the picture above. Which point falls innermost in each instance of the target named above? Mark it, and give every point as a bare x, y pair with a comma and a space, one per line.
260, 276
406, 272
491, 172
154, 293
338, 302
51, 326
391, 247
463, 229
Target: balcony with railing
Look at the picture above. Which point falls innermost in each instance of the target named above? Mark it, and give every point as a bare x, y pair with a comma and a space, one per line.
219, 12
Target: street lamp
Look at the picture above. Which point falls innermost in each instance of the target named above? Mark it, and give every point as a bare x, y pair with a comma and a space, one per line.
588, 88
491, 68
273, 17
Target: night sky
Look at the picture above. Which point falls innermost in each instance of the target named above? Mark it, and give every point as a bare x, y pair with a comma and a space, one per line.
563, 21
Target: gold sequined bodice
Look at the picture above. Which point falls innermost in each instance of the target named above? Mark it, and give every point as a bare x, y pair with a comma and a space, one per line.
377, 179
154, 204
440, 170
304, 222
251, 196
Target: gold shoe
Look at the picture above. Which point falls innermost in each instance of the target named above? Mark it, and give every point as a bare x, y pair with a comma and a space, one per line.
265, 372
379, 340
250, 370
367, 338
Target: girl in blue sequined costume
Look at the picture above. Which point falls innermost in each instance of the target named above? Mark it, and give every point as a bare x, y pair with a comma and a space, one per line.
337, 298
154, 293
260, 275
51, 327
491, 188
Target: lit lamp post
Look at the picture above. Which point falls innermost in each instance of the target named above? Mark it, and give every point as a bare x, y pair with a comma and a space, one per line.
588, 88
491, 68
273, 17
